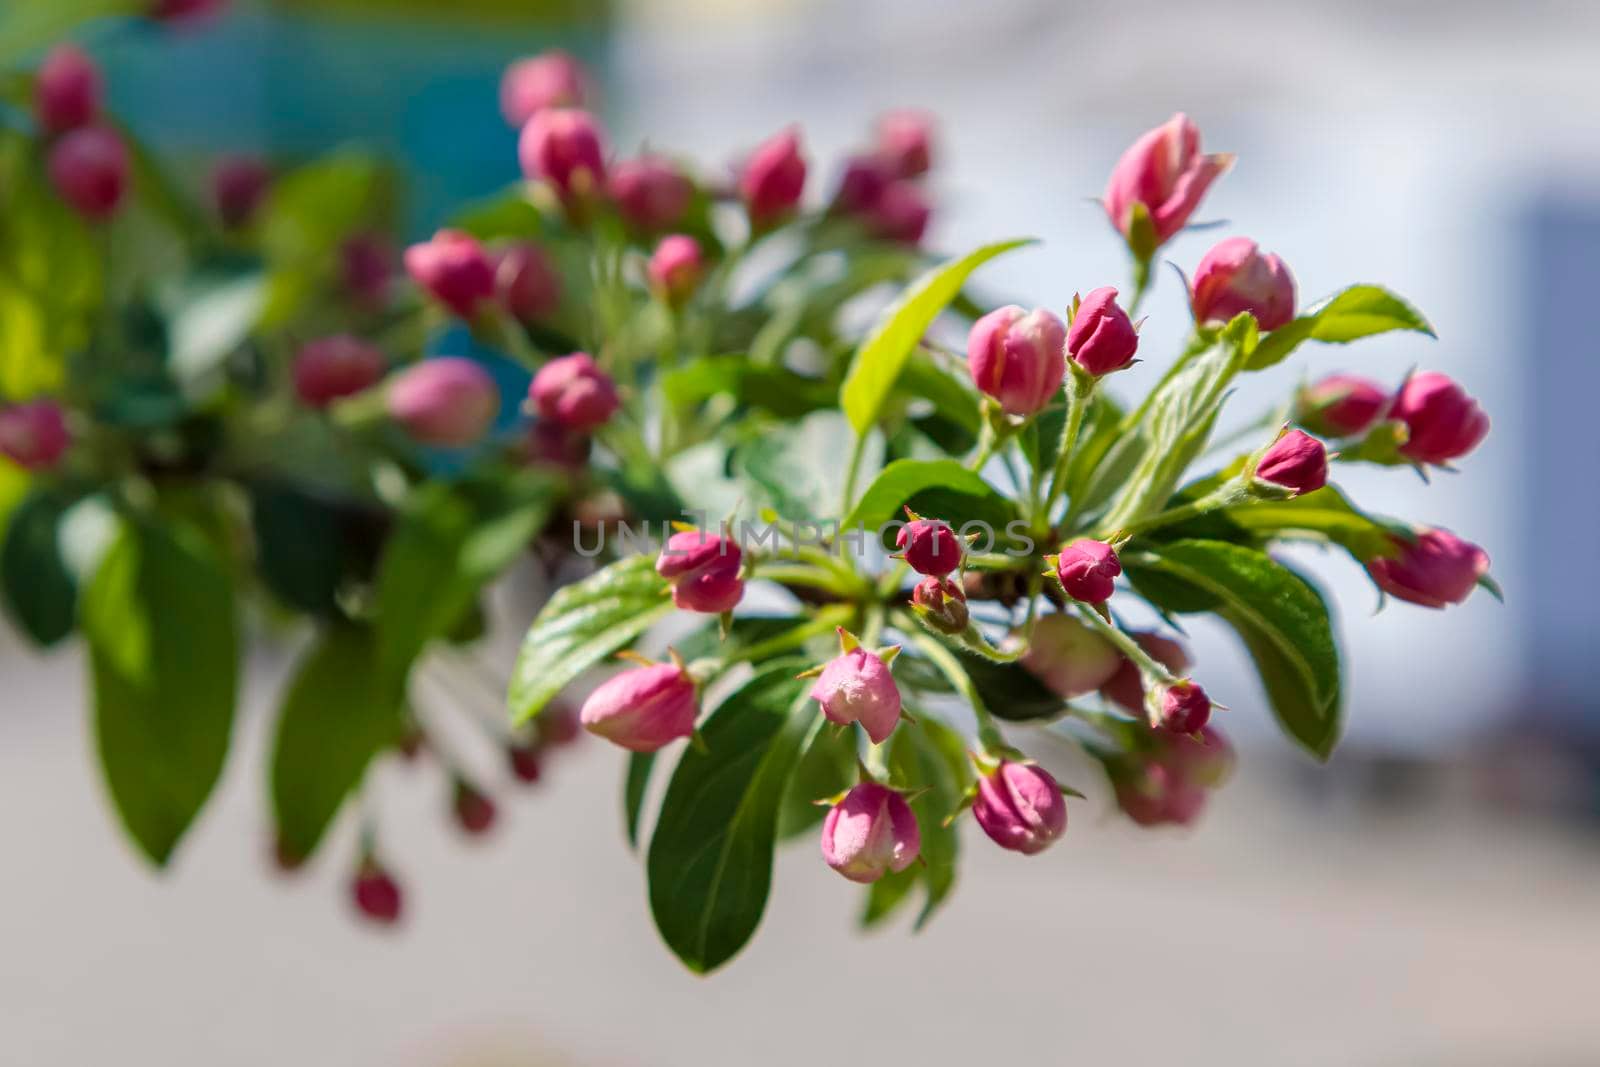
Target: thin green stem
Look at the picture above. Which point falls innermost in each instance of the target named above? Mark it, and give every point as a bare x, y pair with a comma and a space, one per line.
827, 619
1126, 645
858, 451
1226, 496
1081, 393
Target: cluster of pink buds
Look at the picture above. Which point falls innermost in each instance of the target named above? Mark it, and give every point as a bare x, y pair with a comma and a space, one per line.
468, 279
704, 571
880, 188
1441, 422
88, 162
34, 434
856, 686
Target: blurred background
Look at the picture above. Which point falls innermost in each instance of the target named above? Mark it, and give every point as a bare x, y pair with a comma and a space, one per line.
1429, 897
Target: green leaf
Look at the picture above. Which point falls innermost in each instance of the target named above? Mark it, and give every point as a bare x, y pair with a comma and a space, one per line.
210, 317
940, 489
826, 769
163, 651
337, 715
299, 542
795, 468
878, 361
1010, 692
710, 861
40, 592
640, 764
1326, 515
1353, 313
582, 625
775, 389
449, 543
1282, 620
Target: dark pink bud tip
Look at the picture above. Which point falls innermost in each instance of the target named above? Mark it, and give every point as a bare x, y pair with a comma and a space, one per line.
930, 546
474, 811
773, 178
67, 90
1088, 570
89, 169
1184, 708
376, 894
525, 761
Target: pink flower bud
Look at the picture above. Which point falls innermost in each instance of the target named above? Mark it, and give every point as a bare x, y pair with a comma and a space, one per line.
1438, 568
676, 268
1236, 276
1164, 171
905, 142
366, 262
67, 91
553, 445
870, 833
474, 810
1088, 569
1296, 461
558, 726
651, 193
333, 367
941, 603
861, 185
376, 894
574, 392
1102, 338
448, 402
1340, 405
238, 185
564, 147
1020, 807
704, 571
526, 282
1206, 758
89, 169
929, 546
34, 435
901, 214
454, 269
1126, 687
856, 686
1018, 358
1442, 422
1182, 707
549, 79
1157, 795
773, 178
1068, 657
524, 759
642, 709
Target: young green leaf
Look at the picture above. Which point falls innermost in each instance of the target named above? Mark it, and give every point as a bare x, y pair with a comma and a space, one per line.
1282, 619
338, 713
582, 625
163, 651
878, 361
944, 487
39, 591
710, 860
1357, 312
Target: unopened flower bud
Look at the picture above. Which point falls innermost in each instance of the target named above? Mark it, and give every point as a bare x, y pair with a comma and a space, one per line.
1236, 276
861, 185
1020, 807
1340, 405
1102, 338
366, 263
67, 90
704, 571
772, 179
549, 79
1442, 422
905, 142
1296, 462
333, 367
558, 725
553, 445
474, 810
238, 185
1204, 758
454, 269
929, 546
1018, 358
376, 894
89, 170
1088, 570
34, 434
1436, 569
573, 391
856, 686
1068, 657
525, 759
448, 402
1182, 707
941, 603
675, 268
1126, 687
1157, 795
651, 194
900, 213
642, 709
1165, 171
564, 147
526, 282
870, 833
